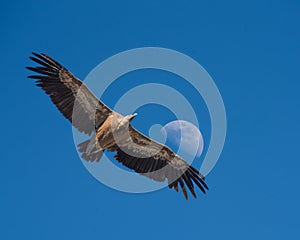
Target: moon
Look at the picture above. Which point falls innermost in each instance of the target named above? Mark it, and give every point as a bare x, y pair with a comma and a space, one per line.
185, 135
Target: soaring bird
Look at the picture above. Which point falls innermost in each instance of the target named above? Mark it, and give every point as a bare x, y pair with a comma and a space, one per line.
110, 130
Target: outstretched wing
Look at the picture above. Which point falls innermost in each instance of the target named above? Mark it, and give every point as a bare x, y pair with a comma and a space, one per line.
158, 162
70, 95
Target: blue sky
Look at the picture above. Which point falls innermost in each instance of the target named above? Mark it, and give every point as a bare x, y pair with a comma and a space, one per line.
252, 51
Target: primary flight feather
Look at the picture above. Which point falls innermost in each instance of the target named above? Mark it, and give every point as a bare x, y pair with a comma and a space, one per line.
111, 131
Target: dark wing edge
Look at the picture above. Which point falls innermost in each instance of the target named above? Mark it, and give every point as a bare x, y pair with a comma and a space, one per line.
163, 165
70, 95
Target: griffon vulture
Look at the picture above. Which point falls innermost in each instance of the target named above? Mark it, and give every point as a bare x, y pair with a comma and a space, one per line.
111, 131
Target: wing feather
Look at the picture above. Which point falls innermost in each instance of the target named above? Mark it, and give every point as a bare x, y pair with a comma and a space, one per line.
70, 95
158, 162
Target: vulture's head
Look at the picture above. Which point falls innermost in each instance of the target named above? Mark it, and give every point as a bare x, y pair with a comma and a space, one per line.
126, 120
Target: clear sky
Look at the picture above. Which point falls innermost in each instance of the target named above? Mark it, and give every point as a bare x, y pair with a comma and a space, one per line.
252, 51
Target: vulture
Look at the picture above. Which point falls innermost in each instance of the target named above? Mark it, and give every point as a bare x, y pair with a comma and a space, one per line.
111, 131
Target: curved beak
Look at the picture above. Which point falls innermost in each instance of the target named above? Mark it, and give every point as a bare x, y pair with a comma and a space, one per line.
132, 116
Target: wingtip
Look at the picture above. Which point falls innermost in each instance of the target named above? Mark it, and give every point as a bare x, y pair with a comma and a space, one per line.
29, 68
38, 55
205, 186
34, 54
186, 196
194, 195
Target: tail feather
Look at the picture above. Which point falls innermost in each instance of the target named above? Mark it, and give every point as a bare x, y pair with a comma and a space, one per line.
90, 150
